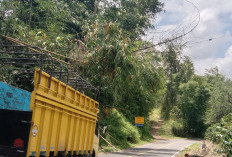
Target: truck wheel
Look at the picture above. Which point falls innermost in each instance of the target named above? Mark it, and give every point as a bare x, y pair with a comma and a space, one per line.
91, 155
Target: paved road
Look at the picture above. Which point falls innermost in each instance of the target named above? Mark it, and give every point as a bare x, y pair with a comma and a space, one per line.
161, 148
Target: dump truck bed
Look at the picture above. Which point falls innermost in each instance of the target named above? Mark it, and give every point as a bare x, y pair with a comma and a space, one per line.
63, 119
53, 120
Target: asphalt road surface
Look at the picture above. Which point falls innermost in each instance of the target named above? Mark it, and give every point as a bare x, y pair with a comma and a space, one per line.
161, 148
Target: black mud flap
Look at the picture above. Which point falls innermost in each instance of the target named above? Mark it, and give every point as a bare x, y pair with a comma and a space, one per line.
14, 132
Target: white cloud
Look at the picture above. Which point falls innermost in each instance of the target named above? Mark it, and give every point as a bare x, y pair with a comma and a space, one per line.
224, 64
203, 48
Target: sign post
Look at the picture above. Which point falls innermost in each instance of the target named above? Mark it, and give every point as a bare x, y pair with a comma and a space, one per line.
139, 121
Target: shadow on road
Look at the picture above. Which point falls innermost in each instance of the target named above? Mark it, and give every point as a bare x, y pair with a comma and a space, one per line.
160, 148
147, 151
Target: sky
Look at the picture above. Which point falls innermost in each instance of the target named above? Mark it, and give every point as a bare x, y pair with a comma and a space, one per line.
215, 23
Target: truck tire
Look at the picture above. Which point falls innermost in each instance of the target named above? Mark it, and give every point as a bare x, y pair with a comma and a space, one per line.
91, 155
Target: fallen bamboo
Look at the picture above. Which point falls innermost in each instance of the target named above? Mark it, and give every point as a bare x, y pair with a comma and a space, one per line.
109, 143
47, 51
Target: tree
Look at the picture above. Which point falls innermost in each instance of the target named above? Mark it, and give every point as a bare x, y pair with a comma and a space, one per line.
193, 103
178, 71
220, 87
131, 82
134, 16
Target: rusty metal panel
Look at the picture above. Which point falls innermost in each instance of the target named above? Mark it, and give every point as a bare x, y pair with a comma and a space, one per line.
63, 118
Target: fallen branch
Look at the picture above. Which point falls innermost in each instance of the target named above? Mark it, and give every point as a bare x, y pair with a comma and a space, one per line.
109, 143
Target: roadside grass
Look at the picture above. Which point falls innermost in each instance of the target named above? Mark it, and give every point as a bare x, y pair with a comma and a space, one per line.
192, 149
106, 149
195, 149
122, 134
128, 146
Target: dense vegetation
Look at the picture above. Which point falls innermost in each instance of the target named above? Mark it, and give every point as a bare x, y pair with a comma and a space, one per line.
106, 39
221, 133
104, 34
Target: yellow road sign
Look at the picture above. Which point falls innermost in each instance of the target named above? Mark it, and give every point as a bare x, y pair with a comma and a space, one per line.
139, 120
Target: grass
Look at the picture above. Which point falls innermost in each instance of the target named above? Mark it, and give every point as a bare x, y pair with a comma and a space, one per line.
110, 149
166, 128
155, 115
130, 136
106, 149
192, 149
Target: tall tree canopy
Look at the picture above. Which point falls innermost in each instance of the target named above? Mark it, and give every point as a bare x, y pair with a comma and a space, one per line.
108, 32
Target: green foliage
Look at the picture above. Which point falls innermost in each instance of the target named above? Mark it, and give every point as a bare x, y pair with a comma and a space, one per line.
193, 100
172, 65
187, 97
67, 19
126, 81
221, 133
178, 71
118, 126
108, 37
17, 78
48, 24
219, 104
171, 128
185, 73
145, 131
132, 16
177, 129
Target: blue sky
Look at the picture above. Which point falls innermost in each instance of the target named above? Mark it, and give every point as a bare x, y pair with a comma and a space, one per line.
215, 23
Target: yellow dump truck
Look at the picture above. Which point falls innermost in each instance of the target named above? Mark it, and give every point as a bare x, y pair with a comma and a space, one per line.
59, 120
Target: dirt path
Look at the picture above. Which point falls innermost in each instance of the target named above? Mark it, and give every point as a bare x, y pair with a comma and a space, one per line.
155, 129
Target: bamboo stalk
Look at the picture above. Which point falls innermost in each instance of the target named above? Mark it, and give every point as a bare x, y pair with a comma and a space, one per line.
109, 143
47, 51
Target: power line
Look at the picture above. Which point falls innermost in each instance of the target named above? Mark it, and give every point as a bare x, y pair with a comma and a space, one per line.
179, 36
204, 40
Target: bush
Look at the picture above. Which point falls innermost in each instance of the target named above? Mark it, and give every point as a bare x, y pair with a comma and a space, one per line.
172, 128
145, 131
221, 133
213, 133
121, 129
178, 129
